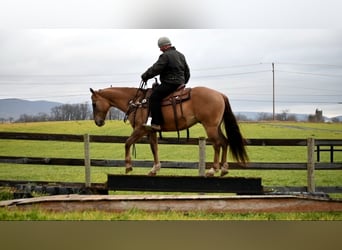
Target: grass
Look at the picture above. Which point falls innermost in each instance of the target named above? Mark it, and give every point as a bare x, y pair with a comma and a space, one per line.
135, 214
167, 153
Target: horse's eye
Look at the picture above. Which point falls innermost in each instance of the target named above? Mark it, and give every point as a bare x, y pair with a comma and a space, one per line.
94, 105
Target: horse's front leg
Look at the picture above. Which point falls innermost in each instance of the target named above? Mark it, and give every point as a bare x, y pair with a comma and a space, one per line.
154, 148
135, 136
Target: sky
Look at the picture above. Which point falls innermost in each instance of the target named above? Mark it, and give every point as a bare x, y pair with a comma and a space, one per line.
57, 51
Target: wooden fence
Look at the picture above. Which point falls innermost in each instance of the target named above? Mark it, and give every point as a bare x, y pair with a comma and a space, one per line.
313, 145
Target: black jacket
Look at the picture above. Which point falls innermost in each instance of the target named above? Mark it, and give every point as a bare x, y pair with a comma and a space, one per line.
171, 66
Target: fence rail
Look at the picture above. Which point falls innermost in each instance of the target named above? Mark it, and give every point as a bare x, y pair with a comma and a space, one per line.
166, 164
313, 145
165, 140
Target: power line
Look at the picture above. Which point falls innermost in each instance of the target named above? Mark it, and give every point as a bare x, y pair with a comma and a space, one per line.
231, 74
307, 73
287, 102
227, 67
119, 74
67, 75
312, 64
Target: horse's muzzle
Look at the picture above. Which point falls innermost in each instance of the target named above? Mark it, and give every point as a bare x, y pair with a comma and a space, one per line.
99, 123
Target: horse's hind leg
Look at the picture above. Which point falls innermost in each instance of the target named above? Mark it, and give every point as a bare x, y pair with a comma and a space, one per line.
219, 141
154, 148
216, 166
225, 148
214, 138
224, 163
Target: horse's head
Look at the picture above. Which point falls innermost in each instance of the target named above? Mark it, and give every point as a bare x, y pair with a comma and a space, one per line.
100, 107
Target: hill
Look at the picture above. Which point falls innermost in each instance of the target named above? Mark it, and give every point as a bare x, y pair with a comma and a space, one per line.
255, 116
13, 108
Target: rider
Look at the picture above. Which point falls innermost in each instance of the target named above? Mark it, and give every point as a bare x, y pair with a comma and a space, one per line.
173, 72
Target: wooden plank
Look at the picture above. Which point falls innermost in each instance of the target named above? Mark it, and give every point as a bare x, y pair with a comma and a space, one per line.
328, 142
13, 183
276, 142
41, 161
185, 184
41, 136
311, 165
143, 140
164, 140
153, 203
201, 157
165, 164
302, 189
87, 163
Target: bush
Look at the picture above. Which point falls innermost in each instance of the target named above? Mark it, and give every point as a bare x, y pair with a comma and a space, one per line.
6, 193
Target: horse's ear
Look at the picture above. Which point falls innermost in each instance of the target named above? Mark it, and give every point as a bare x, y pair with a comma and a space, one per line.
92, 91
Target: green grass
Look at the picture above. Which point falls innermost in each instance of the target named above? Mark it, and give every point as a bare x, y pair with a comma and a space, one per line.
35, 214
249, 129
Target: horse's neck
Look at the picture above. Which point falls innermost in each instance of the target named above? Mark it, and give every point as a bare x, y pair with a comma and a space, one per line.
119, 97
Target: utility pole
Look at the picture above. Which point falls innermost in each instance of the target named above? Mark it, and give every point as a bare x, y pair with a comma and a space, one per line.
273, 93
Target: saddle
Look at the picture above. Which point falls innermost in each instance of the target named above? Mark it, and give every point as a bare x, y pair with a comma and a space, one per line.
179, 96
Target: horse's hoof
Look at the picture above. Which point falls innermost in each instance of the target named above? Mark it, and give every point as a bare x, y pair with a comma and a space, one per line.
129, 169
224, 172
152, 174
211, 172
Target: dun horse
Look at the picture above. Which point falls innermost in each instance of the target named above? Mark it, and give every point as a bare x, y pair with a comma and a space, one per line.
206, 106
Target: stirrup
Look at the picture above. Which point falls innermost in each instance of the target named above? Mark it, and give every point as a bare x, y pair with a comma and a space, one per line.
148, 122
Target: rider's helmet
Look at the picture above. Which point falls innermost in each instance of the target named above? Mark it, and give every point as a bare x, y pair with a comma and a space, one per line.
163, 41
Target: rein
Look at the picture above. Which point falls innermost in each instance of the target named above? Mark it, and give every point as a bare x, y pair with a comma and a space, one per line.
133, 107
132, 104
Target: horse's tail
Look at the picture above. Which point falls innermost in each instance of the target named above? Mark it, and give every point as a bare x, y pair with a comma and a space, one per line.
235, 139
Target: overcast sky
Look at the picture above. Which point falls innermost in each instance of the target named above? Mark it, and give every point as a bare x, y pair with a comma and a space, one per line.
60, 60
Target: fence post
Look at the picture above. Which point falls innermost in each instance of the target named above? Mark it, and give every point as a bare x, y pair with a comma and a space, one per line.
87, 160
201, 163
311, 165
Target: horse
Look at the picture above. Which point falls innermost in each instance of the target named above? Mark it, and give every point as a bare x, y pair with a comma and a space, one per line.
205, 106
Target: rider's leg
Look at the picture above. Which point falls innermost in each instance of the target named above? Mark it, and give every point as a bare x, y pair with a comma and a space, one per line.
158, 94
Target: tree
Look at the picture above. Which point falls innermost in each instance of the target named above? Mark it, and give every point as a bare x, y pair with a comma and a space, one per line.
68, 112
115, 114
264, 117
285, 116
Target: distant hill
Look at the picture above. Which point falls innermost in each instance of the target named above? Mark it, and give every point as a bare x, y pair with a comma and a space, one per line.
254, 116
16, 107
338, 118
